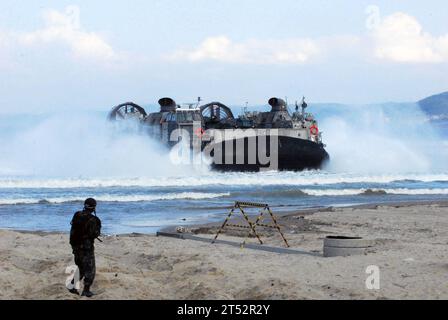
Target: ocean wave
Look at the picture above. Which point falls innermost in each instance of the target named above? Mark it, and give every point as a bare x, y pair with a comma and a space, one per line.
306, 178
273, 193
354, 192
114, 198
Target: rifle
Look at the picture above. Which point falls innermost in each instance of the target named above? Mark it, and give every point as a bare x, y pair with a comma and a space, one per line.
98, 238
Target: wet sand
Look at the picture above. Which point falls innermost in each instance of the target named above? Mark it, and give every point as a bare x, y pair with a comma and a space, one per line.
411, 251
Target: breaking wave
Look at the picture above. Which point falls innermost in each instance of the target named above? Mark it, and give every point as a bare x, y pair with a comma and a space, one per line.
343, 192
114, 198
203, 195
220, 179
353, 192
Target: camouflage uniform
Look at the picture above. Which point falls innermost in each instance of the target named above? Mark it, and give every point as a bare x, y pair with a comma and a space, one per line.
82, 237
85, 260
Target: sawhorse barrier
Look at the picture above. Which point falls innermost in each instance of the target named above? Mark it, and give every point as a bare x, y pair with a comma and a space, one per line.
239, 205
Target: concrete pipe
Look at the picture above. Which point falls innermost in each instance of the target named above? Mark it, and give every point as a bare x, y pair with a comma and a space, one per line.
335, 246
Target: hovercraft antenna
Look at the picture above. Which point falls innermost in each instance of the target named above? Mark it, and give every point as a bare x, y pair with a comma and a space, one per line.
199, 102
304, 105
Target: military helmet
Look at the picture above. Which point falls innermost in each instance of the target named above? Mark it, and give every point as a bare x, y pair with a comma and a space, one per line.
90, 204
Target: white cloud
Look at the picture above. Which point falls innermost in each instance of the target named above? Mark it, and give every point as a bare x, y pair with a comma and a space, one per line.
398, 38
223, 49
65, 28
401, 38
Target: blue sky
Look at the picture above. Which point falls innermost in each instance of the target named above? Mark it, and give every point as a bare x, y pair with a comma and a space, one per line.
95, 54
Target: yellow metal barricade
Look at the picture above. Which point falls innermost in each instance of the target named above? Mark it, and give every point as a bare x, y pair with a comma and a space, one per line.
251, 225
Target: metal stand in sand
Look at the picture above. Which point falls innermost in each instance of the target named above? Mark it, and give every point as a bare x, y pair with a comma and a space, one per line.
251, 225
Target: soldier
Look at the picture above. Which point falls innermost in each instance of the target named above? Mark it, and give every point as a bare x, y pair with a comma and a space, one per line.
86, 227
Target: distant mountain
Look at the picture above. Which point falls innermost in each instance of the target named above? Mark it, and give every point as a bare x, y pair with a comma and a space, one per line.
436, 106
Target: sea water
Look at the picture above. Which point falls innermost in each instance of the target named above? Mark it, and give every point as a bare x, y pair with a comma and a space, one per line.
148, 204
50, 163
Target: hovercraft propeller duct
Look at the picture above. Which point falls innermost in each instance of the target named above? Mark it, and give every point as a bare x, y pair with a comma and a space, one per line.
126, 110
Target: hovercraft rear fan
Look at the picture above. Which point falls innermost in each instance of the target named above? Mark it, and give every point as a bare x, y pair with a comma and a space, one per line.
216, 112
125, 111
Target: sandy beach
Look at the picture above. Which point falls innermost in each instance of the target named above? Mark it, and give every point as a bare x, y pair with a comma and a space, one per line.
411, 251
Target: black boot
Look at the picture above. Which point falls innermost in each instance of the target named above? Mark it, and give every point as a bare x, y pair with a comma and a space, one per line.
74, 291
86, 292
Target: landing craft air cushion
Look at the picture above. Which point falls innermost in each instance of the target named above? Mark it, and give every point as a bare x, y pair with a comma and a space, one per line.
251, 142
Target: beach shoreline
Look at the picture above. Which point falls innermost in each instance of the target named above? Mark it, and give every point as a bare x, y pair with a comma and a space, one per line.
410, 251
